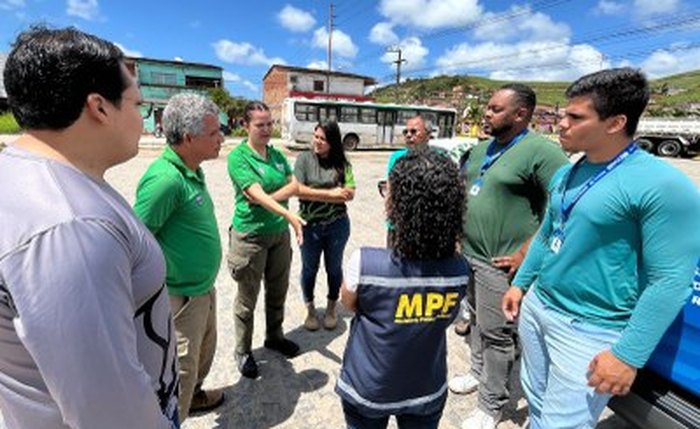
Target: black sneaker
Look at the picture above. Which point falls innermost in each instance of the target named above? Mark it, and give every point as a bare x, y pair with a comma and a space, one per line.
247, 365
284, 346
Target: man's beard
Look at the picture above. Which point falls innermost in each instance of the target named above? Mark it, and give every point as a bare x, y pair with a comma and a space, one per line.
497, 132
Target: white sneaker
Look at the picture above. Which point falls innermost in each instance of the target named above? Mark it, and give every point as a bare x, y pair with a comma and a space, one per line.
463, 384
480, 420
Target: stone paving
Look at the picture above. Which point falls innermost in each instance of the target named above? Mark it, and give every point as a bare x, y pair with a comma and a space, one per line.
299, 393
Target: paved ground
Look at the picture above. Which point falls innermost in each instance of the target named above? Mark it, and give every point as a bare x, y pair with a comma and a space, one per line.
299, 393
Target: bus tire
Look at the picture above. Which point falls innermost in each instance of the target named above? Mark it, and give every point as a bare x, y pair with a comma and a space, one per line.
646, 144
350, 142
669, 148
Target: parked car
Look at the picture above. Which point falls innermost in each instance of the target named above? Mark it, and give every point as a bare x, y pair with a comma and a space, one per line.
666, 392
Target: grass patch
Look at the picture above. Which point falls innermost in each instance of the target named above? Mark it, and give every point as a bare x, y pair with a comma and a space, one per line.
8, 124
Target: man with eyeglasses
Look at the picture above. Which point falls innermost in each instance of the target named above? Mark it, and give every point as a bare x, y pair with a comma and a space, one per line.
85, 327
172, 200
417, 135
506, 179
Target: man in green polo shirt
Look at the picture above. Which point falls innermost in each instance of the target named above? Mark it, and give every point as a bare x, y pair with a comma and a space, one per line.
506, 178
173, 202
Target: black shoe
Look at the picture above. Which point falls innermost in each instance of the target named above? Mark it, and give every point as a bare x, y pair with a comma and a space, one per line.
284, 346
247, 365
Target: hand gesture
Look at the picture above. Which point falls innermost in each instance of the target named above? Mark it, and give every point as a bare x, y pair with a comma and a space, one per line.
511, 303
298, 224
609, 374
510, 263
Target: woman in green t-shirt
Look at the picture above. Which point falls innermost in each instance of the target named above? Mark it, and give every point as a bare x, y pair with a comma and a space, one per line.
259, 239
326, 183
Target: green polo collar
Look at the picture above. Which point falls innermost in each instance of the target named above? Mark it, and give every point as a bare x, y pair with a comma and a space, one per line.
172, 157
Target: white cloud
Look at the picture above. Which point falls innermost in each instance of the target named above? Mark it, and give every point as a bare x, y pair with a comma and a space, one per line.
296, 20
383, 34
665, 62
318, 65
431, 14
12, 4
231, 77
251, 86
243, 53
530, 60
342, 43
89, 10
179, 59
609, 7
520, 23
412, 50
129, 52
655, 7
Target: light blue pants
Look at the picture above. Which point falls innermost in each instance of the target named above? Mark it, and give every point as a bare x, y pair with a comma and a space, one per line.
556, 351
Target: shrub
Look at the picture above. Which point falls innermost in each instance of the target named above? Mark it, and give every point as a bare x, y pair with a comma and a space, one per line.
8, 124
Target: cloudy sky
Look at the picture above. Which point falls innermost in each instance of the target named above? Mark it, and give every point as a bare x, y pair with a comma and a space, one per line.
535, 40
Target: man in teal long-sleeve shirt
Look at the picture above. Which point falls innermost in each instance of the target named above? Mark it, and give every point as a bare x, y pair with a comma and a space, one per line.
612, 263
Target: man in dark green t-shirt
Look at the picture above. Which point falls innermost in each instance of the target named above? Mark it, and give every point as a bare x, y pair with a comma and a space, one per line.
173, 201
506, 178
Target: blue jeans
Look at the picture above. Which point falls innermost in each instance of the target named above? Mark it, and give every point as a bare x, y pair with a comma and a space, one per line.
328, 239
355, 420
557, 349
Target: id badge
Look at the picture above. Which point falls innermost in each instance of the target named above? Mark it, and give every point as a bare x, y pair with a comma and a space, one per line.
557, 241
476, 187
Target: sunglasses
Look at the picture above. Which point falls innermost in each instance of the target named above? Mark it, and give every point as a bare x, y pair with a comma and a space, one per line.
410, 131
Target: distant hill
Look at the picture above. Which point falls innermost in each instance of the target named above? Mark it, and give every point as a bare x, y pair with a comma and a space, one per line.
677, 95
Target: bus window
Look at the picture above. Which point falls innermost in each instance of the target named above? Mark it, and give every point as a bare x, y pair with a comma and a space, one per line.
368, 115
327, 113
405, 115
305, 112
349, 114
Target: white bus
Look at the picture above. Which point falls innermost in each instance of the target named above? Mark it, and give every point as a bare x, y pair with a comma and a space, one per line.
362, 124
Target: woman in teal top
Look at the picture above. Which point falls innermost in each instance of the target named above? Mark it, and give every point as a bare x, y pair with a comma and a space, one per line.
326, 183
259, 240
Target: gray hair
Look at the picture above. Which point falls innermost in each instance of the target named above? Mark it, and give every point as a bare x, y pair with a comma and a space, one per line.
185, 114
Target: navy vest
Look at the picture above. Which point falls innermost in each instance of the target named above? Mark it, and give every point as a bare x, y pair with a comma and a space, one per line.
395, 361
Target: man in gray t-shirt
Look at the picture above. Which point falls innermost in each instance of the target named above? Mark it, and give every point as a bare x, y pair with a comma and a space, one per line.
87, 338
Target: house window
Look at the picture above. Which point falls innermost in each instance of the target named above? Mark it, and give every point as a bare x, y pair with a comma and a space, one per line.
159, 78
319, 86
202, 82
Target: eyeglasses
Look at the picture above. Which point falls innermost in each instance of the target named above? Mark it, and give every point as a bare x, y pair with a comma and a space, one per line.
410, 131
383, 188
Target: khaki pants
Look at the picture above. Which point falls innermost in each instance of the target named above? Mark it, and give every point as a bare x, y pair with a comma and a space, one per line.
195, 327
252, 258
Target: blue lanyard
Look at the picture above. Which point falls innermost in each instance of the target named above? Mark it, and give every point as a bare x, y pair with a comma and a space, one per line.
567, 208
489, 160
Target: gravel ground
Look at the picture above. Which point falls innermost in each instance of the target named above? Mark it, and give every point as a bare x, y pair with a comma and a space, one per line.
299, 393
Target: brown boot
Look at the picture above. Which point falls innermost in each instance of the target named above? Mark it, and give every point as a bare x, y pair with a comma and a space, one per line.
330, 319
311, 321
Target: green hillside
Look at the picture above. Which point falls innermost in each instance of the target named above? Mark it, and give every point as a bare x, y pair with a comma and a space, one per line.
671, 96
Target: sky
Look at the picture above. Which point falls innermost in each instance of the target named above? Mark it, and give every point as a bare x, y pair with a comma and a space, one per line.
540, 40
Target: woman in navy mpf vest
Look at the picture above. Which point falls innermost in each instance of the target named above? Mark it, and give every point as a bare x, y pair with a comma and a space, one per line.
404, 298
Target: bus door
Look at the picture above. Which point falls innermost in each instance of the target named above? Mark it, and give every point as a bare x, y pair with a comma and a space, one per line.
446, 123
386, 119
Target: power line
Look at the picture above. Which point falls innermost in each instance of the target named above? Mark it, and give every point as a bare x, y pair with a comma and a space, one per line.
611, 37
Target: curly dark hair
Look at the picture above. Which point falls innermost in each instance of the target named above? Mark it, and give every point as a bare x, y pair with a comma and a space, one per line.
425, 206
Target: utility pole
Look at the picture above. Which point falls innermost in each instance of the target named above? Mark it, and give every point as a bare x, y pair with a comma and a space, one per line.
330, 46
398, 62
